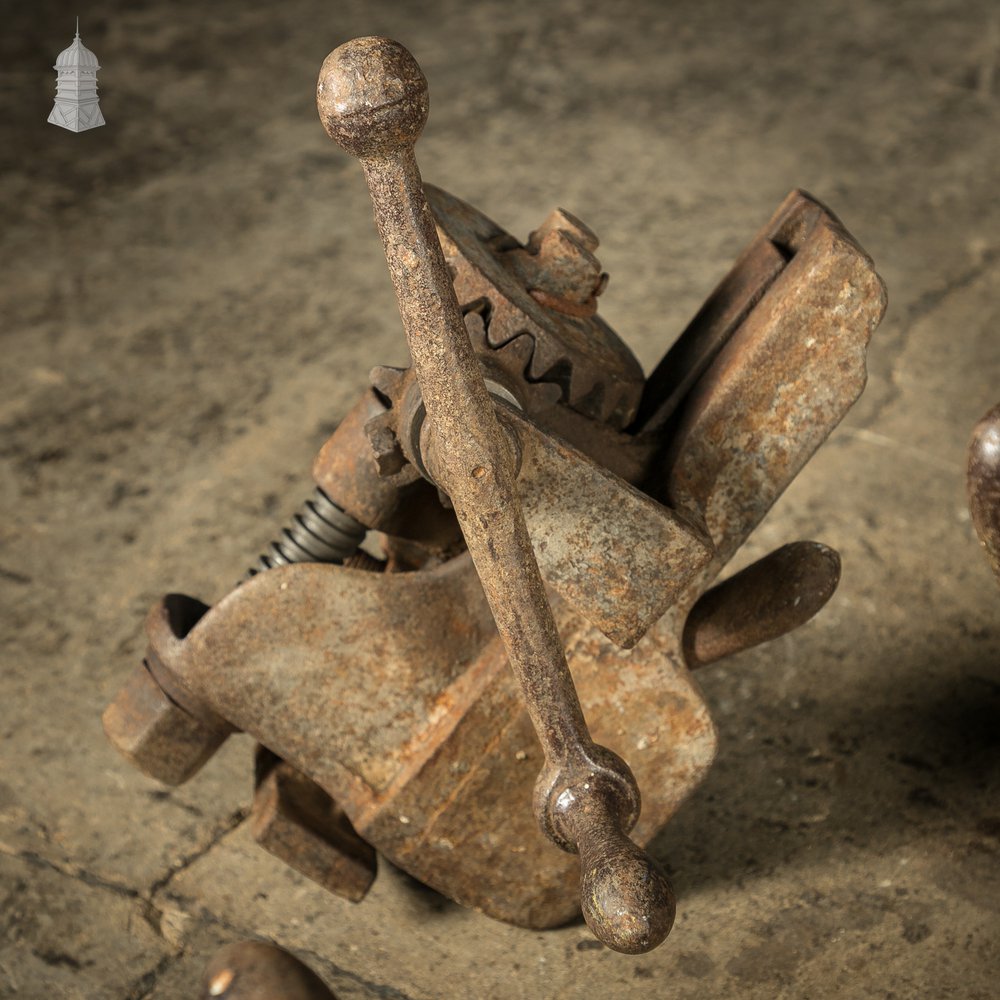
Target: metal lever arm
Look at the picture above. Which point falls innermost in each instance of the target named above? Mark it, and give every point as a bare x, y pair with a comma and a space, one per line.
372, 100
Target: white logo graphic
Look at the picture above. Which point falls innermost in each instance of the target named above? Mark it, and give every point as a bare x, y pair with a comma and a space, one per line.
76, 106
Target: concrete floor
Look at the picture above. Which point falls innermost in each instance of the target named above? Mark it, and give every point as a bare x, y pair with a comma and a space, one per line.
193, 295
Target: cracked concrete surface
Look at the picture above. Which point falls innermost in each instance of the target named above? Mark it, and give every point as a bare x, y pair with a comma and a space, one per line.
193, 295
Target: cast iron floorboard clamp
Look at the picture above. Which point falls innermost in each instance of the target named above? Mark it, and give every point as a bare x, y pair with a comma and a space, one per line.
551, 522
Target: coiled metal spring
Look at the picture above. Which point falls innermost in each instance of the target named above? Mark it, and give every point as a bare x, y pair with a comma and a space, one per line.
319, 532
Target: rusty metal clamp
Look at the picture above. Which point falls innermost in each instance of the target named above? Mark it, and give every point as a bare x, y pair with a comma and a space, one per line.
548, 523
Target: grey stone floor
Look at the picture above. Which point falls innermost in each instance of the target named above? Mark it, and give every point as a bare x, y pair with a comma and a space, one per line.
191, 297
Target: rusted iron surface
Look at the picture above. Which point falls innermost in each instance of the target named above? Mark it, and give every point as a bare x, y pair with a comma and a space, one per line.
618, 557
725, 309
358, 662
597, 374
593, 507
399, 503
769, 598
441, 786
155, 734
599, 542
255, 970
154, 722
295, 820
984, 485
474, 842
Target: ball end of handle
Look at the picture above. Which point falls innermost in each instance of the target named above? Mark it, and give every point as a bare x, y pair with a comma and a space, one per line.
372, 96
626, 898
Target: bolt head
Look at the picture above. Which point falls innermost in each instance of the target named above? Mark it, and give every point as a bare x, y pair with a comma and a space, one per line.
155, 734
